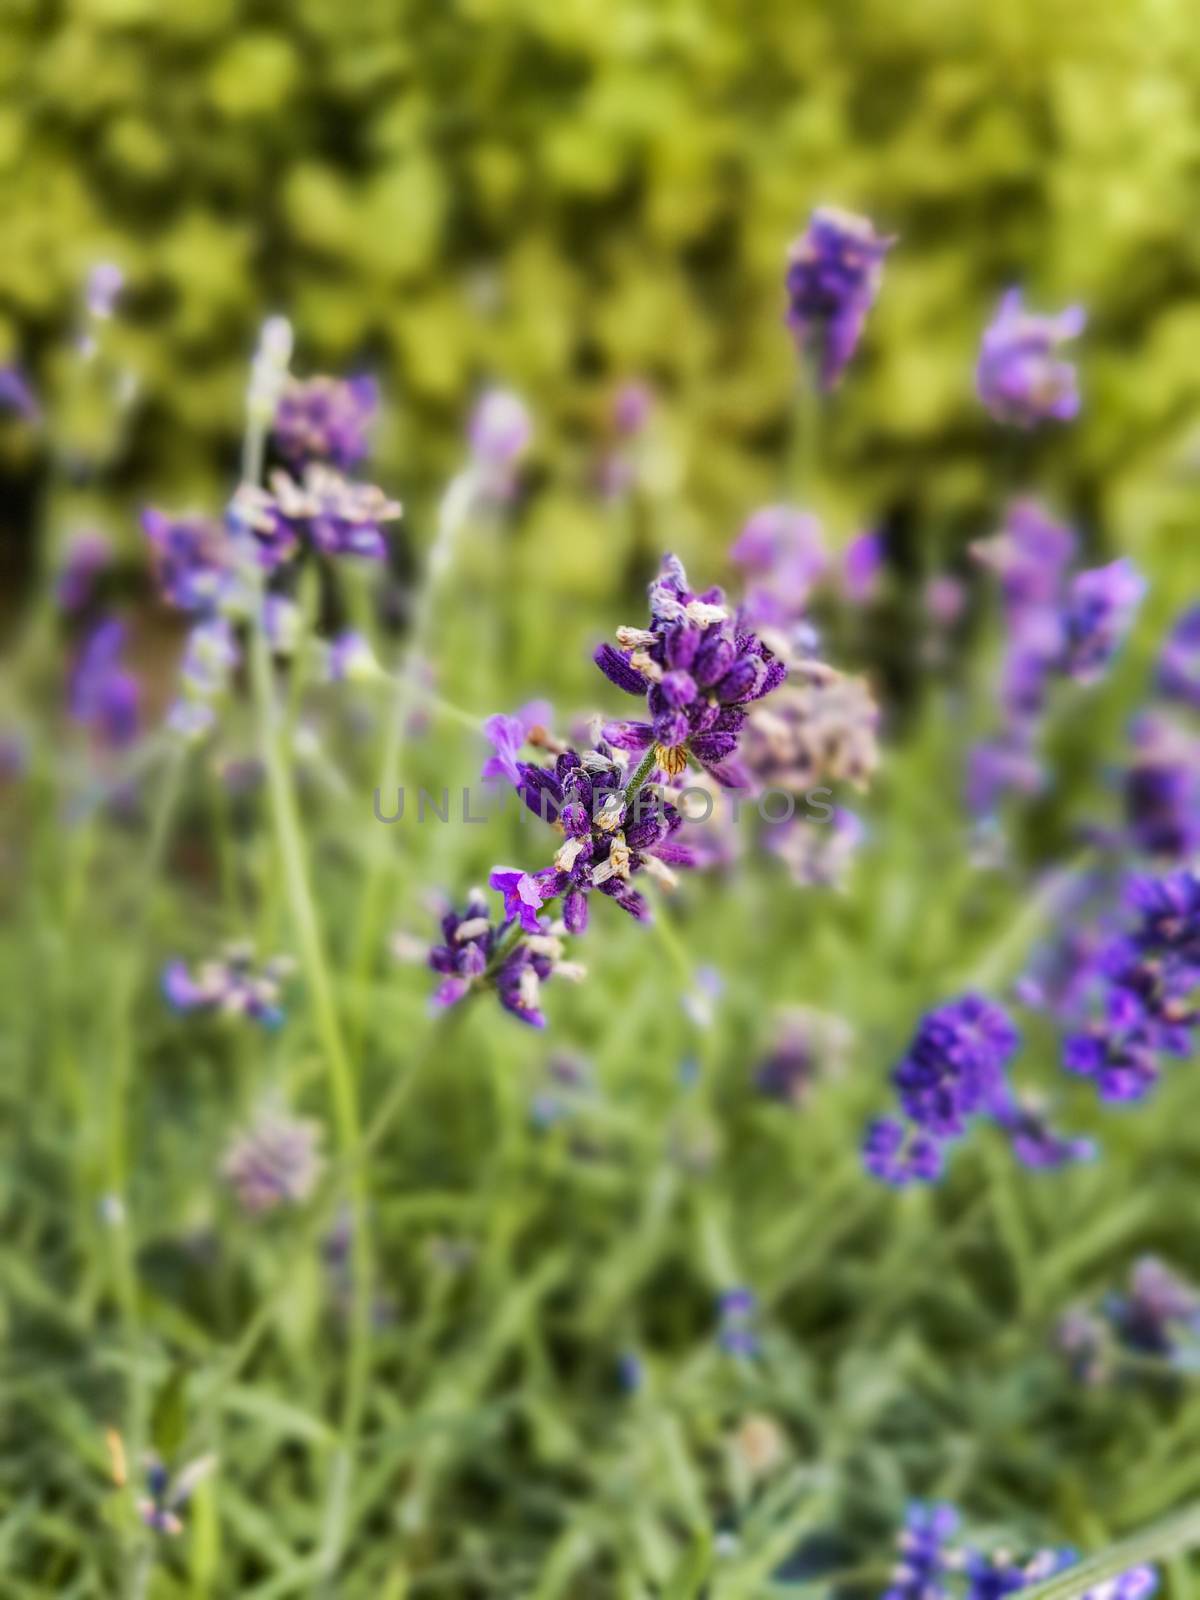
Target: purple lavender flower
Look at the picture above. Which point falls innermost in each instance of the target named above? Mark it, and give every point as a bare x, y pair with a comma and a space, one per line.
103, 696
632, 406
737, 1311
1142, 991
955, 1065
954, 1069
87, 557
818, 853
507, 734
1035, 1143
606, 841
16, 394
821, 725
807, 1046
697, 672
861, 566
782, 552
1022, 378
500, 433
275, 1162
521, 893
473, 957
1179, 664
923, 1553
898, 1155
1100, 608
351, 658
833, 276
996, 767
192, 556
324, 511
104, 284
325, 419
1162, 789
231, 985
166, 1495
1159, 1313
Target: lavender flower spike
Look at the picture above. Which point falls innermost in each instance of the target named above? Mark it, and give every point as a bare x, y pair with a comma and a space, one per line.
833, 275
325, 419
1022, 378
1101, 605
1179, 664
275, 1162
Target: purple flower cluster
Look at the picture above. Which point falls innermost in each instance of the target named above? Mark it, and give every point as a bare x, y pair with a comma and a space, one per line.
1141, 991
515, 957
697, 672
955, 1070
193, 559
834, 271
737, 1316
325, 419
1156, 1317
165, 1496
1058, 626
935, 1564
103, 696
1162, 788
230, 985
1179, 663
88, 556
275, 1162
1022, 377
323, 512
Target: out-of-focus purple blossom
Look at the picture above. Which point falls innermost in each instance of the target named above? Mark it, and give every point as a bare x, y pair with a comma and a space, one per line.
351, 659
1035, 1142
16, 394
818, 853
954, 1069
697, 671
996, 767
737, 1315
193, 558
103, 696
1140, 1003
500, 433
935, 1562
507, 734
923, 1554
1162, 788
209, 659
232, 985
88, 556
899, 1155
104, 284
807, 1046
632, 406
834, 271
1030, 556
1157, 1318
1100, 608
569, 1083
325, 419
782, 552
274, 1162
700, 1001
943, 600
1179, 663
1022, 377
323, 511
862, 567
166, 1496
820, 725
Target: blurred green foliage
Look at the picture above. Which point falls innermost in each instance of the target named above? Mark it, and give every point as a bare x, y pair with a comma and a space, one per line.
559, 192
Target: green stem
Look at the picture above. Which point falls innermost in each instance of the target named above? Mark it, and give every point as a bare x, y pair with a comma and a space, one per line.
341, 1083
440, 557
1173, 1536
640, 773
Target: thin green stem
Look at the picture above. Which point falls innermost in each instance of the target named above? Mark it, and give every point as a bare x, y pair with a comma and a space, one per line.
1173, 1536
640, 773
341, 1083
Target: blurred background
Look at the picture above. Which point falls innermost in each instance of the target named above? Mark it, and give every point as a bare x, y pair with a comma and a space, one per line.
560, 195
